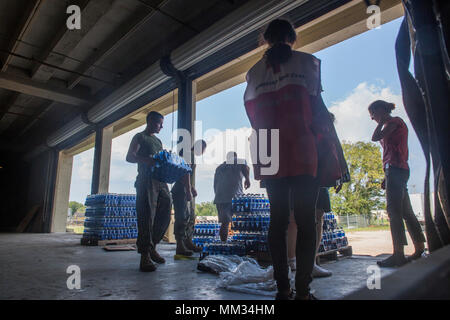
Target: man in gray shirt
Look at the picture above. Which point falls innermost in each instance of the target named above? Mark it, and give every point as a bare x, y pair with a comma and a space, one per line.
227, 184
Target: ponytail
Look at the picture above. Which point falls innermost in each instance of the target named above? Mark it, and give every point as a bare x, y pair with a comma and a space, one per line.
278, 53
278, 33
381, 105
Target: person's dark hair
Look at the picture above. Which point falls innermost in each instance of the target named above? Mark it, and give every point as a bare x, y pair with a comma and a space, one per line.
381, 105
279, 32
231, 155
203, 142
153, 115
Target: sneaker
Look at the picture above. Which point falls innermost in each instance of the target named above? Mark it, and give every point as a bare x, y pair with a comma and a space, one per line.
292, 264
191, 246
319, 272
146, 264
156, 257
182, 250
393, 261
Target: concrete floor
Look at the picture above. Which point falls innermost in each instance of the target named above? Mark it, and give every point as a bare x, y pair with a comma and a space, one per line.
33, 266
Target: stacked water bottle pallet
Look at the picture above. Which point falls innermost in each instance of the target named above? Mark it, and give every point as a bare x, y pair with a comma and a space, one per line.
206, 232
333, 239
251, 219
250, 224
249, 227
110, 218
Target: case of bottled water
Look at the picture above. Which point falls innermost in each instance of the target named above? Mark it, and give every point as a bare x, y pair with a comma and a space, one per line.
169, 167
250, 225
110, 217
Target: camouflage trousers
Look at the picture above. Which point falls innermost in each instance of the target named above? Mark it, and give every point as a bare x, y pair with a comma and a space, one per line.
153, 204
184, 216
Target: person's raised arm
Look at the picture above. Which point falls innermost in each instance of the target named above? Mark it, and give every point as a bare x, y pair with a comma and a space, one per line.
381, 132
246, 173
132, 155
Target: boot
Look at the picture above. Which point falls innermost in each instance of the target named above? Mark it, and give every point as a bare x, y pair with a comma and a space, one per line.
146, 264
191, 246
156, 257
182, 250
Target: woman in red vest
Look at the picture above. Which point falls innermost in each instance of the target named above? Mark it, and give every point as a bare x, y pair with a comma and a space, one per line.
392, 133
283, 99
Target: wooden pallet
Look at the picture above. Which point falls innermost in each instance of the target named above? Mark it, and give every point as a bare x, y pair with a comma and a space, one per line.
92, 242
346, 251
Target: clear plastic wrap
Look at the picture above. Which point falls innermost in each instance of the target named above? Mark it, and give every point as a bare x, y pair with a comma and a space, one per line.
221, 263
241, 274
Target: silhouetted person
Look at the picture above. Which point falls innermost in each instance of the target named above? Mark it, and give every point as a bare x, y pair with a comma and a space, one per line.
152, 196
392, 133
284, 93
182, 193
228, 184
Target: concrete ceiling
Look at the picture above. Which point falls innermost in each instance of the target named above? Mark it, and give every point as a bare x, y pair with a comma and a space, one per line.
49, 74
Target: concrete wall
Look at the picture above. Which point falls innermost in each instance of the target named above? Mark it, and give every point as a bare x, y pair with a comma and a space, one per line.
61, 193
25, 185
12, 173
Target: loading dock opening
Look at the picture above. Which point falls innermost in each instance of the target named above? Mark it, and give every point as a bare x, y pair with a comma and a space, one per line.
38, 153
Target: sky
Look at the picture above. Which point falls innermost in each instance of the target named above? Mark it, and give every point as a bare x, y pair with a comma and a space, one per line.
355, 72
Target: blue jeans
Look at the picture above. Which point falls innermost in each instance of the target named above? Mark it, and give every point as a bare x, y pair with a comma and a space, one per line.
399, 208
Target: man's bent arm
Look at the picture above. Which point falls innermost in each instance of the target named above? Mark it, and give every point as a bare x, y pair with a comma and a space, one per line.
132, 155
246, 173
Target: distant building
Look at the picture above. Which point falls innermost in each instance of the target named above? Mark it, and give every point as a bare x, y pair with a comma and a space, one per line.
380, 214
418, 204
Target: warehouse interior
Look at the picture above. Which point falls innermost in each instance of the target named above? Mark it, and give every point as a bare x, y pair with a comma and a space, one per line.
64, 91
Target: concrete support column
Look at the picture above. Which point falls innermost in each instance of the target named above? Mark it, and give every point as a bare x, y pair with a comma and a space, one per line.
62, 192
193, 118
102, 160
187, 91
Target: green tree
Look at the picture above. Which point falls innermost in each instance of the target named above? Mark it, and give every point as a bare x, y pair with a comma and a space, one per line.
363, 193
76, 206
206, 209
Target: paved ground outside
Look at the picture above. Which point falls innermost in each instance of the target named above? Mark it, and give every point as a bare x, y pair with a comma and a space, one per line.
374, 243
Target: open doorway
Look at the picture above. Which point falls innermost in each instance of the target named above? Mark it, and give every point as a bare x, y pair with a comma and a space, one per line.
80, 187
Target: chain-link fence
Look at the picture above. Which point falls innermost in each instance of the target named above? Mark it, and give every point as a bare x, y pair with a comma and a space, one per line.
359, 221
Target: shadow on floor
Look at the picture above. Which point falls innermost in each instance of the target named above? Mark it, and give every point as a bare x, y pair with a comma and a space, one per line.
34, 266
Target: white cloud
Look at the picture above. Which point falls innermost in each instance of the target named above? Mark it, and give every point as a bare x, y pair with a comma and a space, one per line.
85, 163
353, 122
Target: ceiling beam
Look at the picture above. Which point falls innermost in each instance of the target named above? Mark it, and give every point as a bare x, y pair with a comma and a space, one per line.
67, 40
29, 13
115, 41
63, 42
36, 117
46, 91
325, 31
